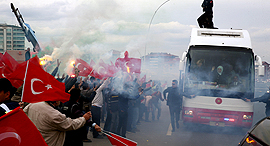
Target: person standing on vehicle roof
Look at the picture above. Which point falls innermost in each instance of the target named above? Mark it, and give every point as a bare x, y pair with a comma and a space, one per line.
206, 19
265, 98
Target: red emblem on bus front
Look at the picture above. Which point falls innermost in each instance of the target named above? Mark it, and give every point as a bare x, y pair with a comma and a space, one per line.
218, 100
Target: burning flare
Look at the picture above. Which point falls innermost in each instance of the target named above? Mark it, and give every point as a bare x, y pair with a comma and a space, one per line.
72, 63
250, 140
42, 62
128, 70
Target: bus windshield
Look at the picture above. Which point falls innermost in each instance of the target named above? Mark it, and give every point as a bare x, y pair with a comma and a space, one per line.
220, 72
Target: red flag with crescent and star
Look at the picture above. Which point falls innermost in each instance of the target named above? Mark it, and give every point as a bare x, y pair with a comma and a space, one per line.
118, 140
17, 76
102, 70
4, 70
17, 129
99, 70
94, 73
113, 69
7, 66
42, 86
4, 67
106, 70
114, 141
9, 61
130, 65
85, 68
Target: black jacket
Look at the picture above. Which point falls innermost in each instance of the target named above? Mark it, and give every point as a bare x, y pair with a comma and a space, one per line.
11, 106
69, 82
112, 100
175, 96
207, 5
75, 137
265, 98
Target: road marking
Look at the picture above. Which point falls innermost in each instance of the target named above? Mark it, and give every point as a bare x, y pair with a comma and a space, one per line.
169, 132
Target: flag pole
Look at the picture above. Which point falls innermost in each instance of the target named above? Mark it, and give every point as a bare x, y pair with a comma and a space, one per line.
93, 68
91, 72
24, 79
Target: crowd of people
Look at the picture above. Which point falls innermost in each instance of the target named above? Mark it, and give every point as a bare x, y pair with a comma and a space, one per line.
120, 102
220, 76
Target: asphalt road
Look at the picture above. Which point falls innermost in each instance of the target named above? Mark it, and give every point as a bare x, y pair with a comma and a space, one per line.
158, 132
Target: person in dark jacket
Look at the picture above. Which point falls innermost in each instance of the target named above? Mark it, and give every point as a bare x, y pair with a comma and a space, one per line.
60, 79
70, 81
27, 54
206, 19
174, 101
6, 93
112, 118
265, 98
56, 69
73, 109
123, 99
87, 95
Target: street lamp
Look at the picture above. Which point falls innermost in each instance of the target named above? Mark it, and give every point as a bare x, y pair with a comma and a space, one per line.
150, 25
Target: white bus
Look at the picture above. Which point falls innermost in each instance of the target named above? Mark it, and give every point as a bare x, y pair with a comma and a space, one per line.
219, 69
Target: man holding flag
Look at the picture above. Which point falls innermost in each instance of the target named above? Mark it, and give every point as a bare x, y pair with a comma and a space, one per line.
51, 123
44, 93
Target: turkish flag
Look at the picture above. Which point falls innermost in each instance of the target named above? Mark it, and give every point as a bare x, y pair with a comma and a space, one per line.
98, 71
114, 141
124, 140
113, 69
94, 73
9, 61
42, 86
17, 76
105, 70
102, 70
131, 64
16, 129
119, 140
85, 68
5, 65
4, 70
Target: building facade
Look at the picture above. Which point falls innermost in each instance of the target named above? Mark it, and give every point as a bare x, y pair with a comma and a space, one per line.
160, 66
266, 77
11, 38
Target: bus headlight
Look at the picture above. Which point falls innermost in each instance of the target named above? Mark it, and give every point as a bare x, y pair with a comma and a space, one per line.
247, 116
188, 112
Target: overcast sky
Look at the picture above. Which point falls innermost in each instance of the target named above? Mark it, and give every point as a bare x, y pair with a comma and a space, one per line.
97, 26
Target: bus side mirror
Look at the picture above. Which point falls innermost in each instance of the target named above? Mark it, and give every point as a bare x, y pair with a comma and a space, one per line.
261, 70
182, 61
181, 65
261, 67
